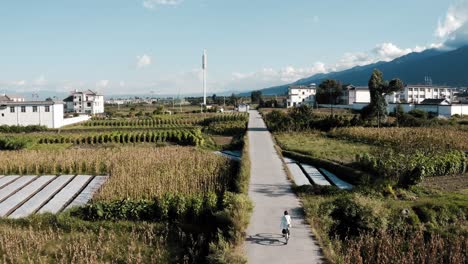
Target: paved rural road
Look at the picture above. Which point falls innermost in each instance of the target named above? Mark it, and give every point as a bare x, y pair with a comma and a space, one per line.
271, 193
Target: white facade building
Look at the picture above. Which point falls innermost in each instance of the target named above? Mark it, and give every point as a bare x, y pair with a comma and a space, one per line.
301, 94
43, 113
418, 93
87, 102
357, 94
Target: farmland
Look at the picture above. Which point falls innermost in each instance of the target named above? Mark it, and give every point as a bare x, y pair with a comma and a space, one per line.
167, 198
416, 188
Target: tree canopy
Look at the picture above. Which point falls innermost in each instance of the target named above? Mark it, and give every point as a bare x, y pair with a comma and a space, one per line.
378, 89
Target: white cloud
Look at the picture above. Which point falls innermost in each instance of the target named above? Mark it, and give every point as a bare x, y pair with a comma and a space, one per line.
269, 76
453, 29
40, 81
152, 4
102, 84
18, 83
143, 61
456, 16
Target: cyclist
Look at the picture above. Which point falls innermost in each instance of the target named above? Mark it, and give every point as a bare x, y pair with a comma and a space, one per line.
285, 225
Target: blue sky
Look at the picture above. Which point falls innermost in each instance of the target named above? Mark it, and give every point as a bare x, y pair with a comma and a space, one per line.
138, 46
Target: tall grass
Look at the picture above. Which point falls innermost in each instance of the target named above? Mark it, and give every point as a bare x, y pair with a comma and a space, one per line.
142, 243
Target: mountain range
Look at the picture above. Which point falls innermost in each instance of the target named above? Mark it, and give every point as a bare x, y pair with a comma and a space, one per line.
444, 67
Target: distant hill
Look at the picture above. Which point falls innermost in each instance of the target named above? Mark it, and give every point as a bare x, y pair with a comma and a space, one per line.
444, 67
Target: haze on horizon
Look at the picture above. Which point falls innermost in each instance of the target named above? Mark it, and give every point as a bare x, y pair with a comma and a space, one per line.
138, 46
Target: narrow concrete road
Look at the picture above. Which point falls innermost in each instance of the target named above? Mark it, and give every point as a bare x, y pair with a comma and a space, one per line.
271, 193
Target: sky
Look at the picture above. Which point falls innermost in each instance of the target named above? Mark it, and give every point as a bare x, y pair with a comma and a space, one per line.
155, 46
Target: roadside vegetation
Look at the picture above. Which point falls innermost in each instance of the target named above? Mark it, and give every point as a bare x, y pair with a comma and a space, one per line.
409, 204
169, 198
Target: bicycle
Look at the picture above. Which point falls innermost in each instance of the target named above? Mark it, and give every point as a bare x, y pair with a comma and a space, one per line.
286, 234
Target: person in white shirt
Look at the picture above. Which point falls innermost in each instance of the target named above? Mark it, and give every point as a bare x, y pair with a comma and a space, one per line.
285, 224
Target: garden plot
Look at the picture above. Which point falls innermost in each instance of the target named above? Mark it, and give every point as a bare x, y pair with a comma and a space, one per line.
21, 196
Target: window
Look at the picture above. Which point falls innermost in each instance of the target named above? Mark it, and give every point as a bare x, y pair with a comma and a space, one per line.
87, 99
34, 109
89, 104
23, 109
12, 109
3, 114
47, 108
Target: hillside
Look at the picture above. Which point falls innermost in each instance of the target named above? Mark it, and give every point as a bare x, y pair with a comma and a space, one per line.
445, 68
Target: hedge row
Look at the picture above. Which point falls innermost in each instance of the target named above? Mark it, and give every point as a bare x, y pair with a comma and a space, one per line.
228, 128
148, 122
225, 118
411, 169
183, 137
170, 207
22, 129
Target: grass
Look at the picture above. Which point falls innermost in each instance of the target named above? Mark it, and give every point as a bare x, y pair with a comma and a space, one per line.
317, 145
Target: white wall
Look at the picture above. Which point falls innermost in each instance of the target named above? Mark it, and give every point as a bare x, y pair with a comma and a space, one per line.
51, 119
362, 96
74, 120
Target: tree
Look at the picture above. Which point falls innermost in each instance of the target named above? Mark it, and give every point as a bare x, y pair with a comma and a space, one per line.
256, 96
378, 89
213, 97
329, 91
234, 100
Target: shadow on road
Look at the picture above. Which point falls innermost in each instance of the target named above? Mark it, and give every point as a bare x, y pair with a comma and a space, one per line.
257, 129
267, 239
272, 190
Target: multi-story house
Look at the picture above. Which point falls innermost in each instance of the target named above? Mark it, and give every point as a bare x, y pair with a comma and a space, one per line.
301, 94
87, 102
417, 93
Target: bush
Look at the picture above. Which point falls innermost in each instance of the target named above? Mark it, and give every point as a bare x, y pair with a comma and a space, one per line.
13, 143
22, 129
352, 217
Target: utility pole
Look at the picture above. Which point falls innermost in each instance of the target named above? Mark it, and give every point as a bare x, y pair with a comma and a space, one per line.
204, 66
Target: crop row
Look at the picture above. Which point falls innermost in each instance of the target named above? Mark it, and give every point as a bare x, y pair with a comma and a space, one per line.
148, 122
135, 173
225, 118
182, 137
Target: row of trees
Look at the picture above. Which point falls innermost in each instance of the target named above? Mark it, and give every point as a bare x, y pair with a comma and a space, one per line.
329, 91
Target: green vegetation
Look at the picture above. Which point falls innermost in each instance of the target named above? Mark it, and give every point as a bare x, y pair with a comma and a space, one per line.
398, 211
375, 225
163, 203
22, 129
318, 145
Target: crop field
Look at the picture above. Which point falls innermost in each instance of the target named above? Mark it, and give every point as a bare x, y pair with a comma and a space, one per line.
409, 204
166, 187
134, 172
442, 138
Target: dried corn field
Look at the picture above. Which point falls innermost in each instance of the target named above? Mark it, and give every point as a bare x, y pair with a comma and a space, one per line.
447, 138
142, 243
138, 173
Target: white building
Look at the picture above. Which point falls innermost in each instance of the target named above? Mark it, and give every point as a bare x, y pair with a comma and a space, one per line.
418, 93
356, 94
87, 102
24, 113
301, 94
11, 98
243, 108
